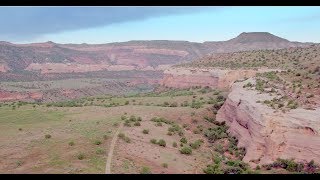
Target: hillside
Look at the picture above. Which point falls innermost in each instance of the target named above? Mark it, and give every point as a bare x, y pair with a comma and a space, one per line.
48, 57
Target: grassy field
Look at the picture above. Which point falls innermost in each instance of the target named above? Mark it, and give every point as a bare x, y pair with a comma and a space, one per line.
173, 131
46, 138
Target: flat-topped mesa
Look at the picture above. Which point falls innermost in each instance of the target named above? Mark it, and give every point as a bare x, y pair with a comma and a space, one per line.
213, 77
257, 37
268, 134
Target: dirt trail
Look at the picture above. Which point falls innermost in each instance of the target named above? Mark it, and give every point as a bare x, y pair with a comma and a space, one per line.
110, 154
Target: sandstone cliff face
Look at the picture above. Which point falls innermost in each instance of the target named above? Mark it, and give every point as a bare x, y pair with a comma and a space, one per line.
215, 78
267, 134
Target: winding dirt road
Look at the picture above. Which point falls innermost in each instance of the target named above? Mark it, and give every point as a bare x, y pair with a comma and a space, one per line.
110, 154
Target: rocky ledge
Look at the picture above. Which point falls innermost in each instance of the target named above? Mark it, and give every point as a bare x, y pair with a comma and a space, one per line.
268, 134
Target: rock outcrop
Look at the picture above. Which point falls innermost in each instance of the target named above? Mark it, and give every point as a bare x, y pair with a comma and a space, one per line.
215, 78
268, 134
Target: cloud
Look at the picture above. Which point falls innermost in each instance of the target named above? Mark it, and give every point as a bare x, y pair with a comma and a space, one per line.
25, 23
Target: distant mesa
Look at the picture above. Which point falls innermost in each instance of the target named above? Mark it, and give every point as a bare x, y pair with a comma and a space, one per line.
252, 37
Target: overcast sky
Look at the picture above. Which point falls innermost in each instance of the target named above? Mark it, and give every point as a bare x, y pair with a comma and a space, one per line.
114, 24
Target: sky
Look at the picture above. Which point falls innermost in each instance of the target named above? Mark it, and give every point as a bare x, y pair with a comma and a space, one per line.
97, 25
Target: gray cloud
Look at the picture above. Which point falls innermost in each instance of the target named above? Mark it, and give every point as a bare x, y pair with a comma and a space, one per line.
26, 23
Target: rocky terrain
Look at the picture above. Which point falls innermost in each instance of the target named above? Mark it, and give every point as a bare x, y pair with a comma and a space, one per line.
210, 77
268, 134
273, 114
51, 57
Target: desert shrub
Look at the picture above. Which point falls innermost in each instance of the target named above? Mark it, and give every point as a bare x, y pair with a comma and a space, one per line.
47, 136
196, 144
20, 129
123, 117
137, 124
185, 125
162, 142
292, 104
184, 140
81, 156
174, 104
174, 144
185, 104
97, 142
100, 151
127, 139
219, 149
186, 150
121, 135
216, 133
209, 119
145, 131
196, 105
145, 170
115, 124
71, 143
169, 133
126, 103
249, 84
220, 98
139, 119
165, 165
196, 131
19, 163
158, 124
153, 141
132, 118
165, 104
213, 169
180, 133
127, 123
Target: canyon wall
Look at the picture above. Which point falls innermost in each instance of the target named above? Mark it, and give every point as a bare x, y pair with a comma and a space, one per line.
266, 133
215, 78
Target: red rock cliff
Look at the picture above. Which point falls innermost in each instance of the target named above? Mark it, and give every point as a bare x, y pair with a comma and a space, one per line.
268, 134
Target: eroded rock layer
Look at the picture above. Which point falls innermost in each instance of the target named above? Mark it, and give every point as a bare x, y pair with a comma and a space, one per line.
268, 134
215, 78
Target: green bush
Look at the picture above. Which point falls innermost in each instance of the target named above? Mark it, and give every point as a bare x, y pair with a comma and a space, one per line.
174, 144
186, 150
97, 142
132, 118
100, 151
139, 119
121, 135
137, 124
123, 117
81, 156
47, 136
158, 124
213, 169
196, 144
71, 143
127, 139
145, 131
145, 170
153, 141
162, 142
165, 165
174, 104
184, 140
